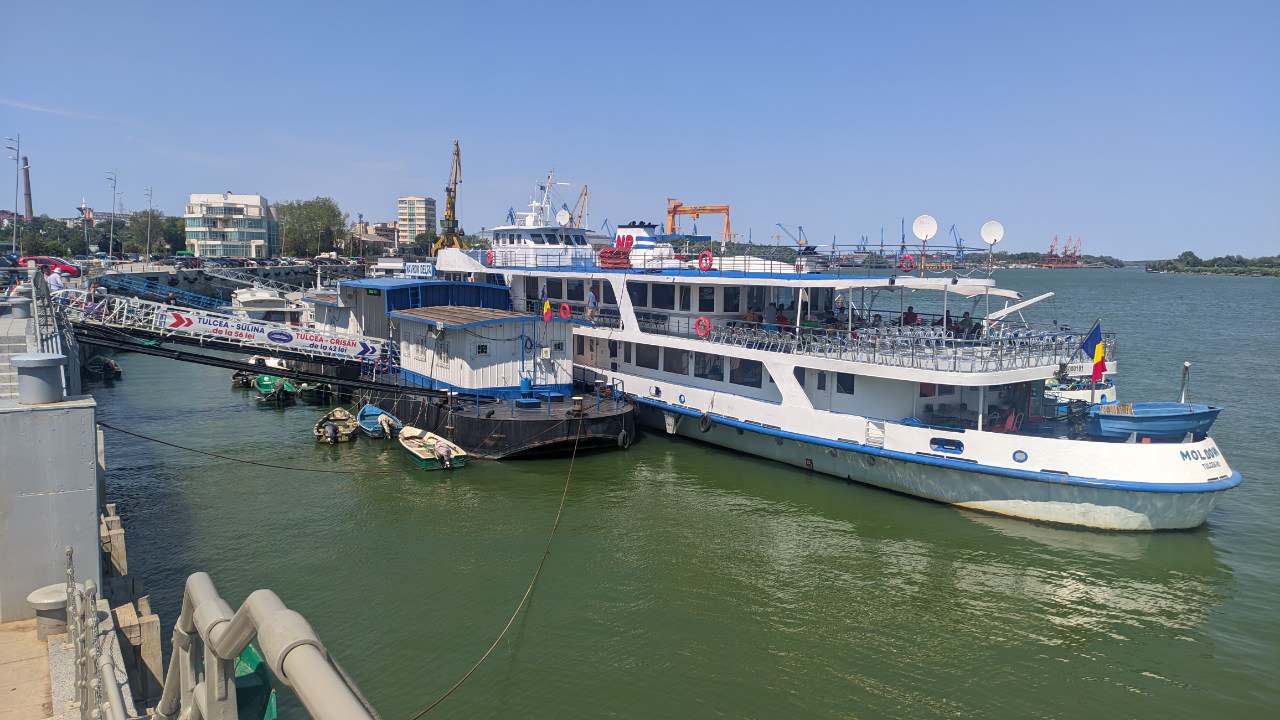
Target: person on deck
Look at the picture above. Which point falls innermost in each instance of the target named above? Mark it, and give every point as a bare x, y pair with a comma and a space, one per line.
877, 321
593, 304
54, 279
964, 326
910, 317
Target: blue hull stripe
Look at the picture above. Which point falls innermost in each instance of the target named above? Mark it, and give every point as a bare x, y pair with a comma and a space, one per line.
1031, 475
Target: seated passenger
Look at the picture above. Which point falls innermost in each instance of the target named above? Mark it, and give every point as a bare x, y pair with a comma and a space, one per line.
910, 317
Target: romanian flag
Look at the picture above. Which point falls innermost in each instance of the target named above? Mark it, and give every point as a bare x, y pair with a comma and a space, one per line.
1094, 350
546, 311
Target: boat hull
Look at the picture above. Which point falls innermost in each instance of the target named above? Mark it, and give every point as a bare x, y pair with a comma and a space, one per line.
1082, 506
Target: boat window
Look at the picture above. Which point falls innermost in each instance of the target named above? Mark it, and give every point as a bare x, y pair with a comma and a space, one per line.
946, 445
577, 341
531, 288
537, 239
746, 372
685, 294
580, 239
557, 346
675, 360
626, 352
555, 288
647, 356
844, 383
552, 239
482, 348
639, 293
664, 296
608, 294
706, 299
708, 367
575, 290
799, 373
732, 297
756, 297
822, 381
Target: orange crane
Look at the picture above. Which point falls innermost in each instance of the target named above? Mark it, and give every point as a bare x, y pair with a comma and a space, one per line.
675, 207
580, 208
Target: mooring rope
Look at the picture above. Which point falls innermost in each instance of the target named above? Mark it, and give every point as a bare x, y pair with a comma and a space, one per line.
564, 494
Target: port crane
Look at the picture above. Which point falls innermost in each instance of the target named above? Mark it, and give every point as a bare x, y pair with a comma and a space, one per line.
450, 237
798, 237
579, 211
675, 207
955, 235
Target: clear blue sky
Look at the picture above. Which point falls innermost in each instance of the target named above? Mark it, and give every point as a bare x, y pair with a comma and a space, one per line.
1147, 128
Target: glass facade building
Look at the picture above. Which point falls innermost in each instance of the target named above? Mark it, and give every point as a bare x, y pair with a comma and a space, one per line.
230, 225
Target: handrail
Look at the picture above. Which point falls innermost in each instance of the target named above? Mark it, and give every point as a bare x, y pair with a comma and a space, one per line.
208, 637
97, 689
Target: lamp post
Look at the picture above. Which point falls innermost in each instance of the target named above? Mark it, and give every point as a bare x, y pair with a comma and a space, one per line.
111, 234
147, 266
16, 147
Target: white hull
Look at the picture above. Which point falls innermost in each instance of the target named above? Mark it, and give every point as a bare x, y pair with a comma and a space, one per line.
1100, 508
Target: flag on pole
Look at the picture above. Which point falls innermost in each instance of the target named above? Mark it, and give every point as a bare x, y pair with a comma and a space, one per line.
1093, 348
546, 311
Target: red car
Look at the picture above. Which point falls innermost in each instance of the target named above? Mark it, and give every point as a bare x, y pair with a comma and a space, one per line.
58, 264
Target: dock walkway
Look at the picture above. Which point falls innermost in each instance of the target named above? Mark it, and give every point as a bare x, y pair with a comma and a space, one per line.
13, 341
24, 673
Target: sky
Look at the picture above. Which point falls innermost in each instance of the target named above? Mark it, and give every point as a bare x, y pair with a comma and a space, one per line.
1146, 128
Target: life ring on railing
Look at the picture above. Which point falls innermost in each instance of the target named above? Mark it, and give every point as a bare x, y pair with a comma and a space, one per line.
907, 263
488, 258
702, 326
565, 311
705, 258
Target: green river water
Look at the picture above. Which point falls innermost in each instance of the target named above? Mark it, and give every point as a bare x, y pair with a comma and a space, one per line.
686, 581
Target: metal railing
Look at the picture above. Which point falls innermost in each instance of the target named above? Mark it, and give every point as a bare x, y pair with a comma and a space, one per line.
208, 637
97, 692
242, 277
54, 333
160, 292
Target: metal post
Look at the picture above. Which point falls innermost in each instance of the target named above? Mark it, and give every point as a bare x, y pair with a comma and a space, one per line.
111, 236
16, 147
147, 266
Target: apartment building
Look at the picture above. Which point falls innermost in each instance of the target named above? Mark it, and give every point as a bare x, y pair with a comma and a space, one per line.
416, 215
232, 225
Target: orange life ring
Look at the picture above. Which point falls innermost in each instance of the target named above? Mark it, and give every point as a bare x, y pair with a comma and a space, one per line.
702, 326
565, 310
704, 260
488, 258
907, 263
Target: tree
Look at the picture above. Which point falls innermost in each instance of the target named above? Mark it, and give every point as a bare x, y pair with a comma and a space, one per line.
423, 243
134, 235
172, 234
309, 227
1189, 258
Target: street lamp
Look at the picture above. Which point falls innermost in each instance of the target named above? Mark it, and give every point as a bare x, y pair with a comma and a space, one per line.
111, 235
16, 147
147, 266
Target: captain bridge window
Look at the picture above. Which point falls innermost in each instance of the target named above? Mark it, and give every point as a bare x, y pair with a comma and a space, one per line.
647, 356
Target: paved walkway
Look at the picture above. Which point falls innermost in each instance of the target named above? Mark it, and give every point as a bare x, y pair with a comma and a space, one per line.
24, 673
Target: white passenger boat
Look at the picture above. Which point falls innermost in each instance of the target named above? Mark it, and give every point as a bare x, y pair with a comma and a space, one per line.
819, 371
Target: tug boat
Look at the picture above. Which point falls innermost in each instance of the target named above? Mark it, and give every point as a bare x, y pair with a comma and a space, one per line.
860, 377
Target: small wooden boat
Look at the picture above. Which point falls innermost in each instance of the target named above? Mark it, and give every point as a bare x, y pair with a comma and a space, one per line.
315, 392
430, 451
338, 425
1151, 420
378, 423
275, 389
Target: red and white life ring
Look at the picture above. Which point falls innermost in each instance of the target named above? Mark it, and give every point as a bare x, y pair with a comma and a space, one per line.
705, 258
565, 310
702, 326
907, 263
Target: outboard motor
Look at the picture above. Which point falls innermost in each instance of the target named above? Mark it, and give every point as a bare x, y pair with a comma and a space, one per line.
330, 432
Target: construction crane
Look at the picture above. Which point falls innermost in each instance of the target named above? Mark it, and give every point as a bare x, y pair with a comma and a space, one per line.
449, 234
579, 211
798, 237
955, 235
675, 207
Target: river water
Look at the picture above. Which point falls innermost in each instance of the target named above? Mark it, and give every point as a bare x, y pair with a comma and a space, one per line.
686, 581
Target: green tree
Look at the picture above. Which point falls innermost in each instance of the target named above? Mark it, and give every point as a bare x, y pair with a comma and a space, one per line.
172, 234
308, 227
134, 235
1189, 259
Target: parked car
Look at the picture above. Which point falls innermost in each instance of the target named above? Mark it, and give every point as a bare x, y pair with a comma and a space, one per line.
62, 266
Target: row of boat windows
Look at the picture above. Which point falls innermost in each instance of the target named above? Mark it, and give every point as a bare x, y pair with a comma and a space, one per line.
710, 366
550, 238
659, 296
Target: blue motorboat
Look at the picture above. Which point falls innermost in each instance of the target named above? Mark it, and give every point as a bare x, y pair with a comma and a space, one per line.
1151, 420
378, 423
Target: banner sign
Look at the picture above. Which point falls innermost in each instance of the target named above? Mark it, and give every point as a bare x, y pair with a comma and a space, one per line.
423, 270
268, 335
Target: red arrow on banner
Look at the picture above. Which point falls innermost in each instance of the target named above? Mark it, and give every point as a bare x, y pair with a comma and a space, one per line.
180, 320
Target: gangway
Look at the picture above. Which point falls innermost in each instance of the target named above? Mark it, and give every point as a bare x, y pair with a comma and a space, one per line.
158, 321
149, 290
241, 277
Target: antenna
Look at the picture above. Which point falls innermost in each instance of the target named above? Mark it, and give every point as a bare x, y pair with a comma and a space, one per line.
563, 217
924, 228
